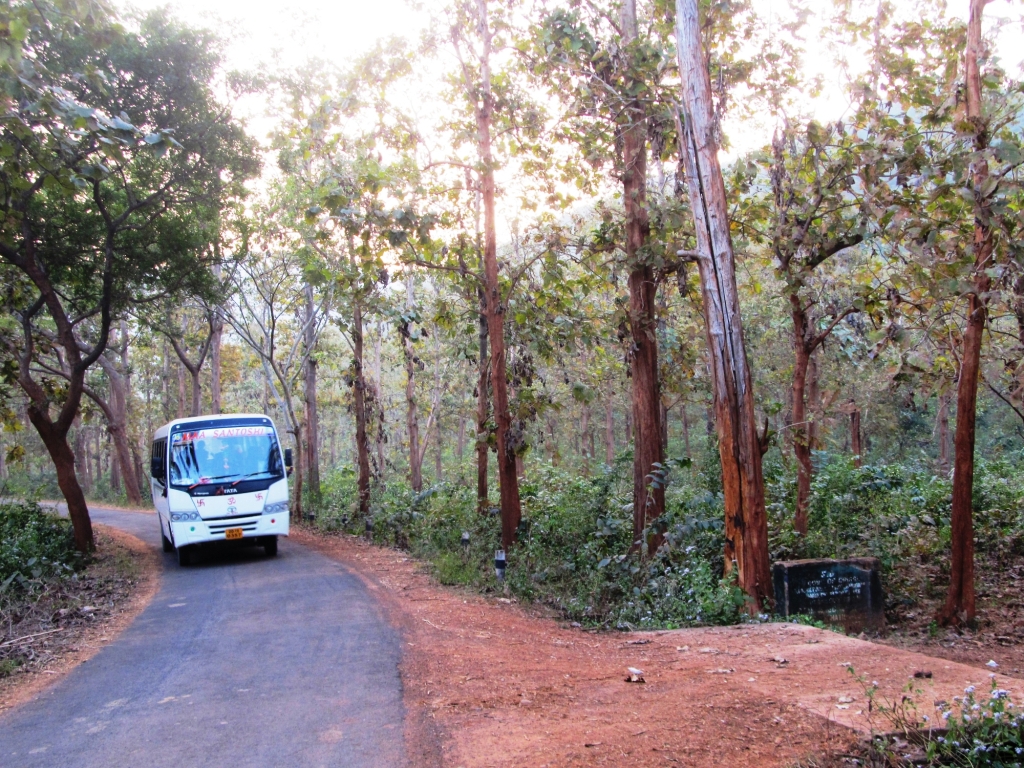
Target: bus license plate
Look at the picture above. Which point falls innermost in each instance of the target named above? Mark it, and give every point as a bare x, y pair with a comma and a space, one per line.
233, 533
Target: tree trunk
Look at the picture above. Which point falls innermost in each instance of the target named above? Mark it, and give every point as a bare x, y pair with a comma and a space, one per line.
648, 498
438, 453
56, 442
460, 441
115, 463
740, 447
165, 382
814, 406
609, 433
181, 391
552, 442
584, 431
942, 433
960, 605
359, 398
482, 400
312, 414
856, 440
98, 456
81, 456
197, 393
686, 427
800, 432
217, 334
116, 413
215, 342
508, 482
411, 418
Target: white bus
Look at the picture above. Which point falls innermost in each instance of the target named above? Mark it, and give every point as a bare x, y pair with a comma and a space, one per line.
220, 478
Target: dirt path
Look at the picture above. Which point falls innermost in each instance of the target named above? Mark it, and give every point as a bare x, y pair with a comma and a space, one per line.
504, 686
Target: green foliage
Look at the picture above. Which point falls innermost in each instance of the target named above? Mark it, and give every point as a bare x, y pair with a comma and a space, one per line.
896, 512
34, 545
574, 545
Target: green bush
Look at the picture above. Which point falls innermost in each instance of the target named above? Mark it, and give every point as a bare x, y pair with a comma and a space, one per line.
34, 544
574, 544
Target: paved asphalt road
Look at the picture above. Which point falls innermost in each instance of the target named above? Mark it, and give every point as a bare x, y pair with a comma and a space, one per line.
240, 660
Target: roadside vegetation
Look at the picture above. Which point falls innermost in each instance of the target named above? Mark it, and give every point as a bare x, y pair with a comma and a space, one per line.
50, 592
575, 537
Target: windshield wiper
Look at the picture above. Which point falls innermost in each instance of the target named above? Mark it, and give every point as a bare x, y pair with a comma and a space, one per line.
206, 480
252, 474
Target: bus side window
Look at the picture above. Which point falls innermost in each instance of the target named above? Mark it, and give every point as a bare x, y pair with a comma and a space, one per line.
158, 462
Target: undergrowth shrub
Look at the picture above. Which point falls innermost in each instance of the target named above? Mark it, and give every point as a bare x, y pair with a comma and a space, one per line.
574, 549
34, 544
575, 543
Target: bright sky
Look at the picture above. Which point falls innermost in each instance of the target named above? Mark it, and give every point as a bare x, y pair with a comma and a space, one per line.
284, 35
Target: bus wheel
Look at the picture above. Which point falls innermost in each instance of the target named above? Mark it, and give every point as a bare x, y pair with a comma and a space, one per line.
184, 556
168, 546
270, 546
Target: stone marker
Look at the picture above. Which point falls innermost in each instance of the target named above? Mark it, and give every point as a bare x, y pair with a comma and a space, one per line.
846, 593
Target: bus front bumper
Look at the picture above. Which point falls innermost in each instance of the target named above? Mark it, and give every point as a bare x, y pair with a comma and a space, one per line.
226, 529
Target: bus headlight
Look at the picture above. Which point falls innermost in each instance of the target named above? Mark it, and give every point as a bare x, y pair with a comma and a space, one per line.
278, 508
181, 517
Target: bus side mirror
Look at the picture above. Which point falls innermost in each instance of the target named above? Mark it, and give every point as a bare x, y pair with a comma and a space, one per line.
156, 467
288, 459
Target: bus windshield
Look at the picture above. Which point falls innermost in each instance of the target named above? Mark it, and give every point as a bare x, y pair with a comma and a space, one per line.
224, 454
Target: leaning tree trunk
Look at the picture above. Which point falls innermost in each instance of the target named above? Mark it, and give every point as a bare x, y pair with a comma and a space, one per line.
648, 454
359, 398
56, 442
740, 447
508, 481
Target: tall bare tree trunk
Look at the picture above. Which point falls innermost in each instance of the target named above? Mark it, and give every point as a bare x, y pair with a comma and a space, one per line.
508, 481
460, 439
165, 382
648, 498
359, 398
116, 413
686, 426
312, 413
81, 456
800, 431
740, 447
584, 432
216, 337
482, 409
609, 432
960, 601
856, 436
438, 452
182, 397
942, 433
411, 418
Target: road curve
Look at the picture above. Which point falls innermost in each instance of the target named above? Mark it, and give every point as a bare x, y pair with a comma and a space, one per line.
240, 660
